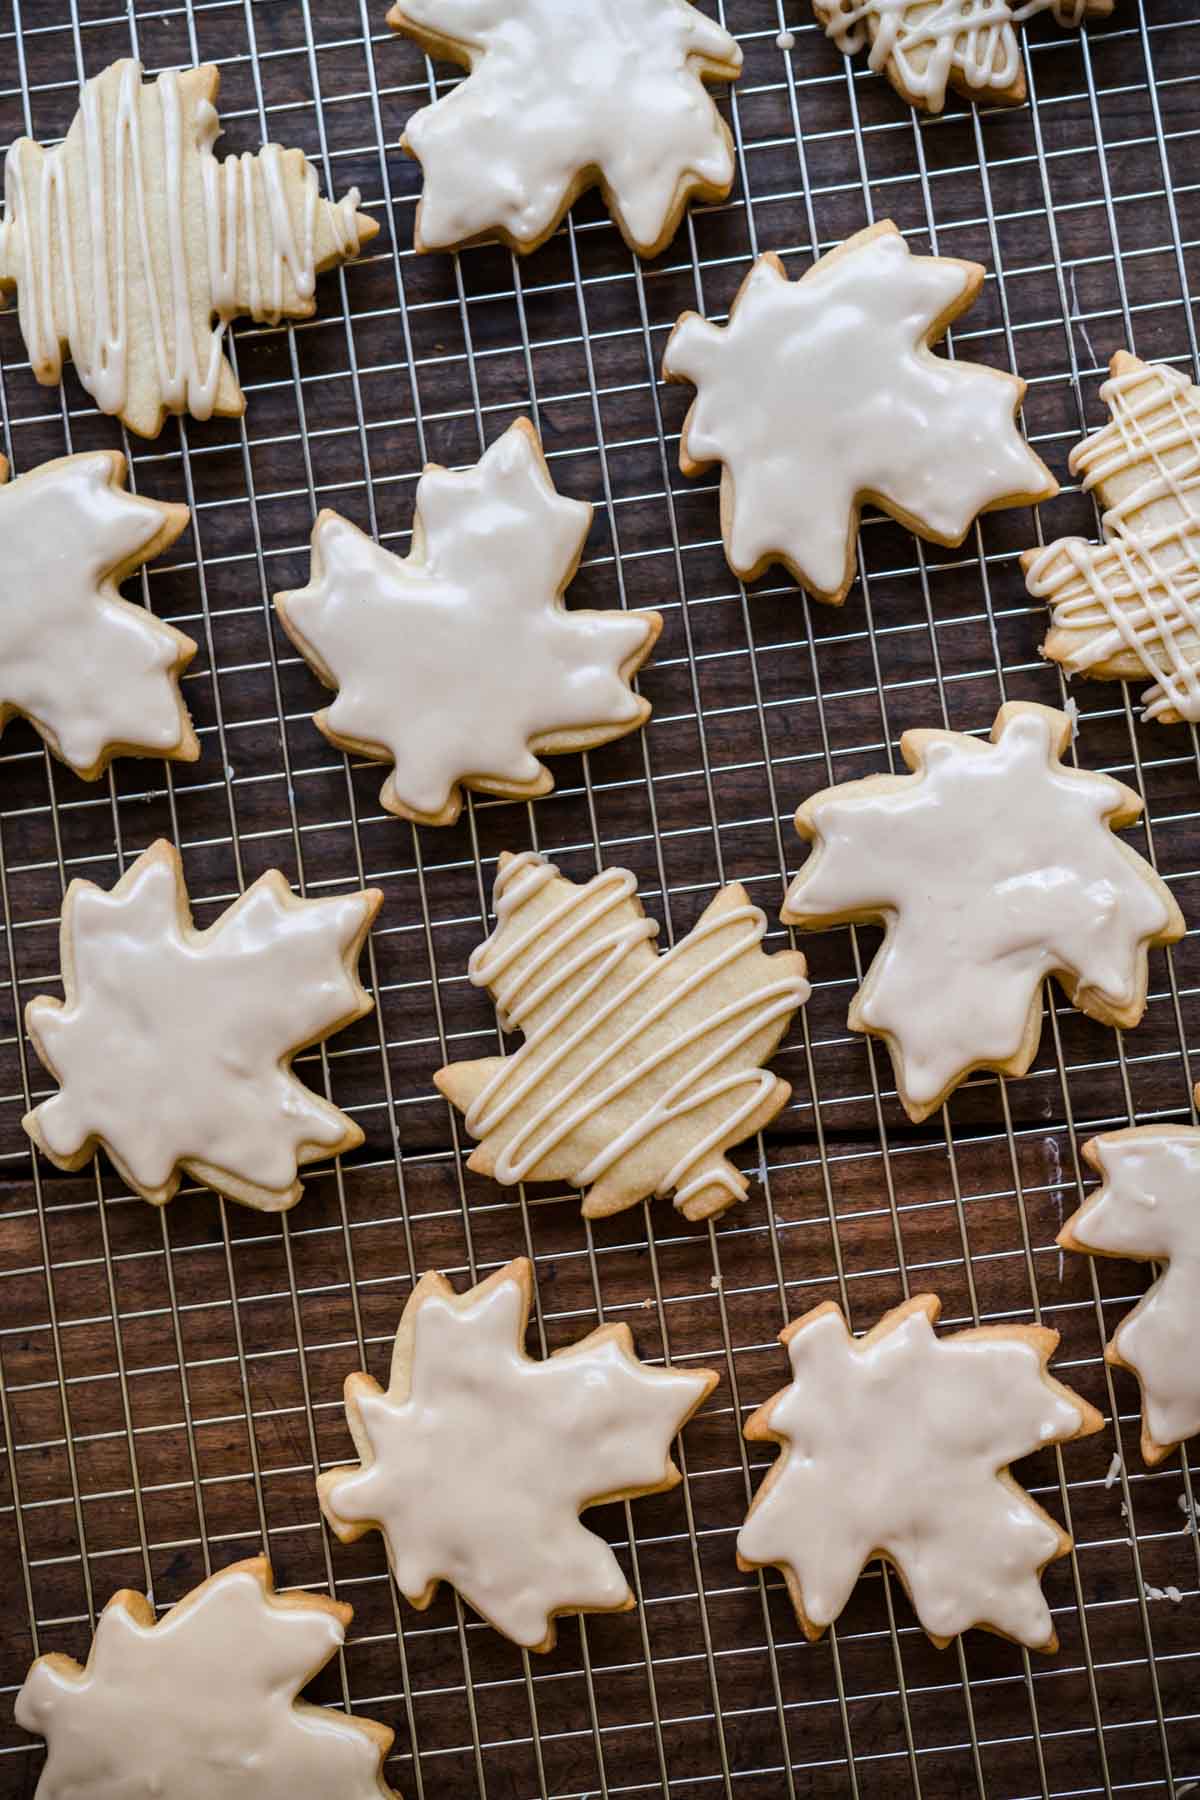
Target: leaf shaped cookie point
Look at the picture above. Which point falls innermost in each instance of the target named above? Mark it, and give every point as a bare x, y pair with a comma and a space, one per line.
638, 1070
129, 278
822, 394
562, 96
1128, 608
460, 662
993, 866
95, 675
203, 1701
897, 1445
173, 1047
1148, 1208
477, 1460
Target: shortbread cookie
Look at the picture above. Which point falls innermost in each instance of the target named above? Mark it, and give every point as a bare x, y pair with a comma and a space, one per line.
460, 663
173, 1047
128, 238
896, 1445
562, 96
993, 866
925, 46
638, 1070
95, 676
822, 394
1149, 1210
203, 1702
1128, 608
478, 1459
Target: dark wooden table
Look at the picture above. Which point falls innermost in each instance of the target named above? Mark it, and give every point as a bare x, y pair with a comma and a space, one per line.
171, 1381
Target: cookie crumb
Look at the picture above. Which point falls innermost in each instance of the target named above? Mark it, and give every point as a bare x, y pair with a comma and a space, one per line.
786, 40
715, 1284
1114, 1470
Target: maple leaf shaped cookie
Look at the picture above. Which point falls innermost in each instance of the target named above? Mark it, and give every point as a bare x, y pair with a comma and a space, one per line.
896, 1445
1128, 609
173, 1047
477, 1460
460, 663
993, 866
638, 1070
969, 45
203, 1702
823, 393
561, 96
96, 676
126, 240
1149, 1209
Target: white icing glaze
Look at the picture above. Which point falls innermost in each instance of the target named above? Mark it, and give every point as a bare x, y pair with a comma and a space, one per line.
453, 660
822, 391
892, 1445
1149, 1207
1139, 590
482, 1463
89, 669
994, 868
616, 1046
128, 294
562, 93
200, 1705
204, 1022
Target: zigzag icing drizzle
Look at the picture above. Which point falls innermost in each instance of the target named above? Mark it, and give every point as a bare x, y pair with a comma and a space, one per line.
582, 973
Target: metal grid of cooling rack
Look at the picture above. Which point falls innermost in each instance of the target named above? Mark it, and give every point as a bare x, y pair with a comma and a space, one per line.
169, 1382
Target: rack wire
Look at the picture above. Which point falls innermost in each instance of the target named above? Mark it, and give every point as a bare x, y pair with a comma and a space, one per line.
170, 1381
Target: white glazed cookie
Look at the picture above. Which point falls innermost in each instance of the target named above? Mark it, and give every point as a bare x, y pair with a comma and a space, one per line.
561, 96
95, 676
478, 1460
203, 1702
1149, 1209
638, 1070
925, 46
993, 866
823, 393
173, 1047
127, 239
460, 663
897, 1445
1128, 608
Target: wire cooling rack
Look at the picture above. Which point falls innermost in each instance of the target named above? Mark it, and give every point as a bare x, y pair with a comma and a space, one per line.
170, 1382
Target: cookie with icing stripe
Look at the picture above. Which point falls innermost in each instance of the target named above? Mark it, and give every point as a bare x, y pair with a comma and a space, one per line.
1128, 608
992, 866
1148, 1209
203, 1701
822, 394
639, 1070
562, 96
173, 1047
478, 1459
896, 1445
95, 675
460, 663
127, 240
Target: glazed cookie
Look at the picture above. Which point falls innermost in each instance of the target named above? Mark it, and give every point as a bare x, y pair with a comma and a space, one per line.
1128, 608
562, 96
127, 239
460, 663
1149, 1209
638, 1070
95, 676
992, 866
896, 1445
173, 1047
478, 1460
969, 45
822, 394
203, 1702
